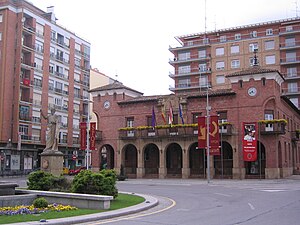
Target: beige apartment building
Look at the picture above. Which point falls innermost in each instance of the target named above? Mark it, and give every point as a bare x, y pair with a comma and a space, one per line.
204, 59
42, 66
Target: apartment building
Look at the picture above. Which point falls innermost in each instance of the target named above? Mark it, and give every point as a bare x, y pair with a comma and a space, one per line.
204, 59
43, 66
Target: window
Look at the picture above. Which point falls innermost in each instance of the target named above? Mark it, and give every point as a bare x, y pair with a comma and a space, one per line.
184, 56
24, 112
290, 42
205, 40
202, 53
295, 101
253, 34
202, 67
269, 115
270, 59
235, 49
53, 35
220, 65
51, 68
182, 83
235, 63
184, 69
1, 18
77, 47
203, 81
269, 32
237, 37
38, 63
195, 117
220, 79
289, 28
190, 43
57, 101
76, 92
23, 129
0, 36
291, 71
77, 77
269, 45
292, 87
129, 123
77, 62
39, 29
52, 52
290, 56
223, 38
67, 42
76, 108
253, 46
220, 51
39, 46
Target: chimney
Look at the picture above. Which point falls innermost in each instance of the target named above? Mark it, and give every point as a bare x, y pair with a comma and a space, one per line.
50, 10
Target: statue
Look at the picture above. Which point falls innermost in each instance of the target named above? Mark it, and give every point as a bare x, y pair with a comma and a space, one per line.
53, 131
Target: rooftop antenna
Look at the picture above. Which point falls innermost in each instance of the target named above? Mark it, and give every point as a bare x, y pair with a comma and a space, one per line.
296, 8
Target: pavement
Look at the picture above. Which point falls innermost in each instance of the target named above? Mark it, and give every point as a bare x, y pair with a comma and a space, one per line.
150, 201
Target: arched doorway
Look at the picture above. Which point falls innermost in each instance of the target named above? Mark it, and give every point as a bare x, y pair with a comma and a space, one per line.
257, 169
151, 161
107, 156
130, 160
174, 160
223, 163
197, 161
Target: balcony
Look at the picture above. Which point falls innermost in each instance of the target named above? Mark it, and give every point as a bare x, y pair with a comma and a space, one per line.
272, 127
291, 76
225, 129
191, 44
192, 58
190, 86
98, 135
191, 72
291, 91
27, 138
289, 45
289, 61
288, 30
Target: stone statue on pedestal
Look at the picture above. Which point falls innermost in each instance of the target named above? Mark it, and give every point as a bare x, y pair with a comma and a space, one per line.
53, 131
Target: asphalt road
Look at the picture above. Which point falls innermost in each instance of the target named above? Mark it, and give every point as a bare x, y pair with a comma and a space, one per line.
221, 202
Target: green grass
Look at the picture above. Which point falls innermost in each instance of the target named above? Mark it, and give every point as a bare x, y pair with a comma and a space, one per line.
122, 201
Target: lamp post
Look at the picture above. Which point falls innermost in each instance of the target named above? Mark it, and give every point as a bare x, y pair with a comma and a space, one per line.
208, 108
87, 155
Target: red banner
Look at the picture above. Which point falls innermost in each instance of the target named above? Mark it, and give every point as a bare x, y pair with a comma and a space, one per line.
93, 136
83, 128
250, 142
201, 132
214, 140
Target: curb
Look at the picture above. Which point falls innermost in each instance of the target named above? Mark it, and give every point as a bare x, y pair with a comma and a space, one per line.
149, 202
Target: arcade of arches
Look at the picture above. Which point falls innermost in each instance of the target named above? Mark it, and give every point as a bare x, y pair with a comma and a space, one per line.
174, 161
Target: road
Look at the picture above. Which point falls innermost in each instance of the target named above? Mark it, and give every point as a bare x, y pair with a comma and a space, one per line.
221, 202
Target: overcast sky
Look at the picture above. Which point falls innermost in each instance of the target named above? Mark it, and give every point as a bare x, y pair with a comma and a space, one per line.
131, 38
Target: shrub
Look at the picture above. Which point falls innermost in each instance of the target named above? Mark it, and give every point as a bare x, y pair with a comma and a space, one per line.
60, 183
101, 183
40, 180
40, 203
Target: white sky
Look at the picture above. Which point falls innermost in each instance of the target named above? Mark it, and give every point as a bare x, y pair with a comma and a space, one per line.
131, 38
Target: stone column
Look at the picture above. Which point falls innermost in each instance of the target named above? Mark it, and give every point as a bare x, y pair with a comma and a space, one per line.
162, 165
185, 164
140, 173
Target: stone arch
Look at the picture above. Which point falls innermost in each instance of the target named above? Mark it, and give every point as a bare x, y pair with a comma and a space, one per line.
151, 160
106, 157
223, 163
174, 160
197, 161
129, 160
257, 168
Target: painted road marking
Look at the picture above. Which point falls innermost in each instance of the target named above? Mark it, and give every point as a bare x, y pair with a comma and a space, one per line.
251, 206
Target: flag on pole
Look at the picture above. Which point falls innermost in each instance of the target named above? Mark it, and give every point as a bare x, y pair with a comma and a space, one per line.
180, 114
163, 115
171, 114
153, 119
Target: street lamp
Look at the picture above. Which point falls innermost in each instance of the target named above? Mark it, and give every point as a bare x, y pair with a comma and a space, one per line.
87, 154
208, 108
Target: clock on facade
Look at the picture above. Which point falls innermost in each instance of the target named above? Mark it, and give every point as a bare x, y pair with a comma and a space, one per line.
252, 91
106, 104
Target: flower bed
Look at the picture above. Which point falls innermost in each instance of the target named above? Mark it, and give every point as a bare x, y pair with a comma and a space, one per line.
19, 210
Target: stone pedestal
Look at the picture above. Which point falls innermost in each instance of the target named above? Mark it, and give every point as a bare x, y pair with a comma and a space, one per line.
52, 162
